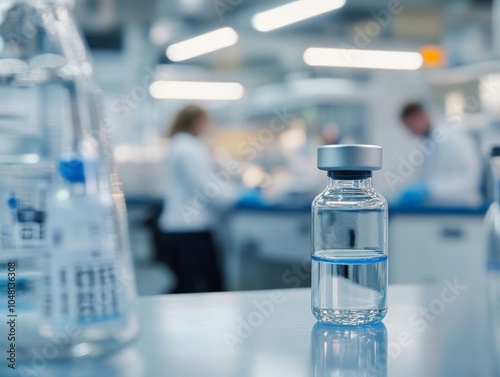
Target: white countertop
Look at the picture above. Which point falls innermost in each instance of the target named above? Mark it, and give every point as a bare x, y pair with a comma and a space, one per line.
203, 335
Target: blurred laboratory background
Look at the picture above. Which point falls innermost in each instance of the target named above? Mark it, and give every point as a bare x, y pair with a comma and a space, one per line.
215, 110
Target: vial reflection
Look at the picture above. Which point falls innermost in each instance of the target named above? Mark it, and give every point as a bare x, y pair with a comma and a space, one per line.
349, 351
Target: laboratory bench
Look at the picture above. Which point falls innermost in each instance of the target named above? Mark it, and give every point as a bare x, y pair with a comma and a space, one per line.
436, 330
426, 244
432, 244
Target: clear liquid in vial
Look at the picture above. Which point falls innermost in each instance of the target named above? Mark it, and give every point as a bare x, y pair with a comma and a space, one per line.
349, 286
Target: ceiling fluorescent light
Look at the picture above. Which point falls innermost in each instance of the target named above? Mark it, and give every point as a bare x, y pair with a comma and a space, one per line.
192, 90
293, 12
354, 58
202, 44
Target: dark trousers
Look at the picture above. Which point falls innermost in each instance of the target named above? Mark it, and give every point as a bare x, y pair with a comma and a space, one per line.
194, 259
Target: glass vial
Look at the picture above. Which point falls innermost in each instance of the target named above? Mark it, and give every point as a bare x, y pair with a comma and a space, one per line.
349, 238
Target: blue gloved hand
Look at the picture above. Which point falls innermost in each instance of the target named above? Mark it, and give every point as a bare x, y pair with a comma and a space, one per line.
414, 195
249, 198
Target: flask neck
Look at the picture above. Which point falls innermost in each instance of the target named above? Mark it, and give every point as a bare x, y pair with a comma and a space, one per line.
361, 180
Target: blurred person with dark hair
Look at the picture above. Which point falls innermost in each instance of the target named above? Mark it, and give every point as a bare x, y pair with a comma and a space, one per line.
190, 211
451, 172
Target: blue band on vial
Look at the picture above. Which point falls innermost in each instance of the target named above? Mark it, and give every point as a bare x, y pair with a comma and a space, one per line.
351, 261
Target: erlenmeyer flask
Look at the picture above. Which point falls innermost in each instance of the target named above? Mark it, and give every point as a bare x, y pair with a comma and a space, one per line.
62, 215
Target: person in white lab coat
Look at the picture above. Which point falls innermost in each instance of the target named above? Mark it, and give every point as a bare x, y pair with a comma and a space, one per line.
451, 171
194, 198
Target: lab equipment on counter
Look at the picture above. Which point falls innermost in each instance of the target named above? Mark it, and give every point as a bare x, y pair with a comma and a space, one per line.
492, 220
250, 197
85, 279
66, 273
414, 195
492, 223
349, 238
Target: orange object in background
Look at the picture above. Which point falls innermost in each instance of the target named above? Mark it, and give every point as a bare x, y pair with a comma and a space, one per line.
434, 56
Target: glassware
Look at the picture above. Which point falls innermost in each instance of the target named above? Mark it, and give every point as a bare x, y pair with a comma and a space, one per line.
63, 218
492, 220
349, 238
492, 223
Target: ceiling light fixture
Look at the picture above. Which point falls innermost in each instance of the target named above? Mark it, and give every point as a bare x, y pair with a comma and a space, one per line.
195, 90
202, 44
355, 58
293, 12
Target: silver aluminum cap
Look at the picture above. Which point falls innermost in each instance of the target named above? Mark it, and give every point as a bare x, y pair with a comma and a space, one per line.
350, 157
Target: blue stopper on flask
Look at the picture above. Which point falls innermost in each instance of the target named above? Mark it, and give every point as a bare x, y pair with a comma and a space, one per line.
72, 170
12, 202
